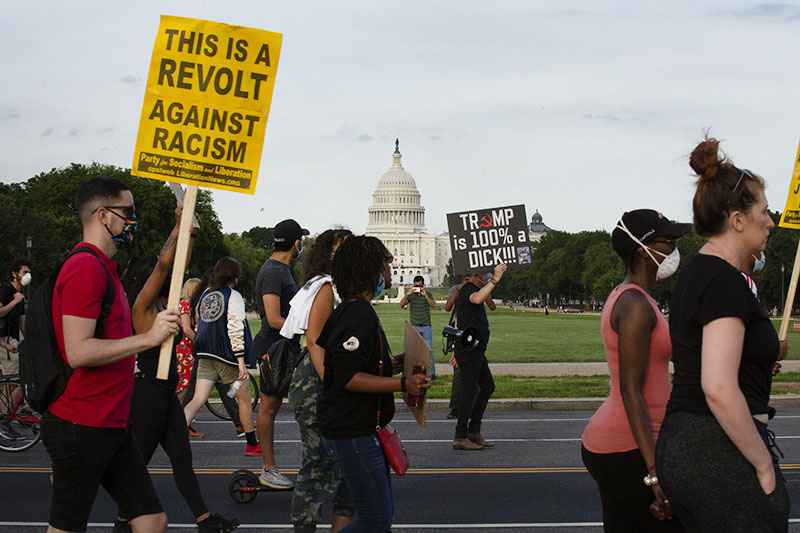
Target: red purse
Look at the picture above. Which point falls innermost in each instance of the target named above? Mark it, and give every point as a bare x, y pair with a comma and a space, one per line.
388, 437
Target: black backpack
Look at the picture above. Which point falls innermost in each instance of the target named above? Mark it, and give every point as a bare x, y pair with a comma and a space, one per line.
42, 372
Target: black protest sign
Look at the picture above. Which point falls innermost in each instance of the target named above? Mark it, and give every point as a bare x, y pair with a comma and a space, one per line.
484, 238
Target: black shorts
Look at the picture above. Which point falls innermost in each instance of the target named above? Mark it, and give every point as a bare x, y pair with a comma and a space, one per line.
84, 458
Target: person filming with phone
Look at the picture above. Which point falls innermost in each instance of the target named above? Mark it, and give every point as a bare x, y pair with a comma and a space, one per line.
420, 303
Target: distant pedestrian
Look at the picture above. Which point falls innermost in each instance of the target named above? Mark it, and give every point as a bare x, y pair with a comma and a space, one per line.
715, 457
12, 325
420, 303
618, 445
185, 348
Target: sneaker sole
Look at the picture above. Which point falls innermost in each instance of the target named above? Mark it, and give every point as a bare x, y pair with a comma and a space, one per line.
275, 486
252, 454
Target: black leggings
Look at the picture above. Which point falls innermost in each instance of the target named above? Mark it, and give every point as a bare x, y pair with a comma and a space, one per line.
157, 418
626, 499
711, 484
230, 404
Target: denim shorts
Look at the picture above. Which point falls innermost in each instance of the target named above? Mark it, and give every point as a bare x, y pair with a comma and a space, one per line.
84, 458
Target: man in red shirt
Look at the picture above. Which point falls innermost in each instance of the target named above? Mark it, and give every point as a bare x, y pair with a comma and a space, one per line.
86, 429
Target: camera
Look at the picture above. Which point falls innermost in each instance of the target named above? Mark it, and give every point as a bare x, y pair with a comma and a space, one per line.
417, 290
466, 339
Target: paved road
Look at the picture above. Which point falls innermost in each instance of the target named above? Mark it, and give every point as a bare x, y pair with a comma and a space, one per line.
532, 481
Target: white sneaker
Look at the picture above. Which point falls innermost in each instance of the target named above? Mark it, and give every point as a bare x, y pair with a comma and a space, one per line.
273, 479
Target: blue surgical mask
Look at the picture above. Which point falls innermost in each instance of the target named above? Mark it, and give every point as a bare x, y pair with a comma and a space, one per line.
379, 288
300, 253
761, 259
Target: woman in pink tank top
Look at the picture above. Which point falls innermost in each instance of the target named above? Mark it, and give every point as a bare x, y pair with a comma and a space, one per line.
618, 445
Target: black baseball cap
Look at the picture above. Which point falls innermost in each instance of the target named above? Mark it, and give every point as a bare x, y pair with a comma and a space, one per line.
644, 224
288, 230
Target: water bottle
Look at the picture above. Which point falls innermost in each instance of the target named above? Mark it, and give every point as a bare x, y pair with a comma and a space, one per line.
235, 386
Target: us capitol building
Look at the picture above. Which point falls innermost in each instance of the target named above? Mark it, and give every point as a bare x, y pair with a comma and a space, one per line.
397, 218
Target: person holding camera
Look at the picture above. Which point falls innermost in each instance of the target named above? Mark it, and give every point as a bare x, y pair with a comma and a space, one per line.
419, 304
477, 384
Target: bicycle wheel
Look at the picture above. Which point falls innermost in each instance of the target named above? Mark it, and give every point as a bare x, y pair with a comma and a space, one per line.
19, 424
218, 409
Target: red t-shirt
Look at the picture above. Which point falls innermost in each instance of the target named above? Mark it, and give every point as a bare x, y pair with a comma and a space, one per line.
97, 396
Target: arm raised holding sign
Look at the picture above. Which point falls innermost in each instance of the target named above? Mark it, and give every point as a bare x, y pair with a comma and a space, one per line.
487, 284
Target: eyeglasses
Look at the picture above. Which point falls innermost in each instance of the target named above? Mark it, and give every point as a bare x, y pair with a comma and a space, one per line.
668, 242
128, 210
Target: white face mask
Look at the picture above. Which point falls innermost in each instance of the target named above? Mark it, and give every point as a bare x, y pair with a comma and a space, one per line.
25, 279
761, 259
668, 266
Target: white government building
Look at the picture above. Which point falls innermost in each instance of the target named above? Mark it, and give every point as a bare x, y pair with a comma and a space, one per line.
397, 218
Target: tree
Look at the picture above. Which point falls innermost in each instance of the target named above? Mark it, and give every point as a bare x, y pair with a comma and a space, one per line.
603, 270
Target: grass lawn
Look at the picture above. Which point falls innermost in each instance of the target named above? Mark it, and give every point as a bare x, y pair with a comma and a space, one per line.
524, 337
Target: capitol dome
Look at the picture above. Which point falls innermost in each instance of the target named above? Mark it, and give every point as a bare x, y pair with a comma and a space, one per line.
396, 202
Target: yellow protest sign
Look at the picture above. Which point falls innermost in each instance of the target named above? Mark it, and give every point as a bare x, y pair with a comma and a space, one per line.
209, 90
791, 213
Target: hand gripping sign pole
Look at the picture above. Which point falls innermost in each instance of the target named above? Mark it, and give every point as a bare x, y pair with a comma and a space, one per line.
178, 268
204, 116
791, 219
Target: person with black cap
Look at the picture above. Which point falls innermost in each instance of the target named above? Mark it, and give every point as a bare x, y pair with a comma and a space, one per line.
275, 288
618, 445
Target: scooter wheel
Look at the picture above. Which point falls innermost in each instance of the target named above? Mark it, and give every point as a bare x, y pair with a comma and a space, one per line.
243, 486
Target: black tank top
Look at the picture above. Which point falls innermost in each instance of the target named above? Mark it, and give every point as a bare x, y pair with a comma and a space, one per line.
148, 365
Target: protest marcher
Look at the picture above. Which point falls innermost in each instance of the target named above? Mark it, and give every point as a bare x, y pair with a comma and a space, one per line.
156, 416
12, 323
319, 478
455, 390
275, 288
477, 384
619, 442
754, 263
420, 304
228, 403
86, 429
185, 348
715, 457
223, 347
357, 387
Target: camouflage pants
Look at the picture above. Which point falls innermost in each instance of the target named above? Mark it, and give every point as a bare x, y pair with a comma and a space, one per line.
319, 477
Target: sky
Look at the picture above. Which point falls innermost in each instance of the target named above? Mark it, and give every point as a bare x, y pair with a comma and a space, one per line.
582, 110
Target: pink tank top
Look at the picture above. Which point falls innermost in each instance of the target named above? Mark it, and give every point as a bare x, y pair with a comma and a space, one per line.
608, 430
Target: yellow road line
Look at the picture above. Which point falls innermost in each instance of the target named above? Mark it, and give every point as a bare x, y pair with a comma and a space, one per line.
421, 471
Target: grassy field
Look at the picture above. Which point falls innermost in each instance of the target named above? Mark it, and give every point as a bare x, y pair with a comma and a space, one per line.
524, 337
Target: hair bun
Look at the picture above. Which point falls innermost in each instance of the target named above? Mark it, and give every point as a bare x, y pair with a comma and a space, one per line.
705, 159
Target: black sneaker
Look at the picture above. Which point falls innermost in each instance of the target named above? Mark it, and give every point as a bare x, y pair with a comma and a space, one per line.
218, 524
452, 414
122, 526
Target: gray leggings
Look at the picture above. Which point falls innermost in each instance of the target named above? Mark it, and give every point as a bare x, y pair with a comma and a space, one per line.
711, 484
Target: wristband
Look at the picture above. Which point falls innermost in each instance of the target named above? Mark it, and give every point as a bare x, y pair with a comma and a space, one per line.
193, 235
403, 384
650, 480
493, 281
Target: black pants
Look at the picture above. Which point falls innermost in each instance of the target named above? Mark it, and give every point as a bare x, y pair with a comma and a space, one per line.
84, 458
230, 404
625, 497
157, 418
477, 386
711, 484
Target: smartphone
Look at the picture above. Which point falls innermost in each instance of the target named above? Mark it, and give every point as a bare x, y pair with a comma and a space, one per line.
411, 400
417, 290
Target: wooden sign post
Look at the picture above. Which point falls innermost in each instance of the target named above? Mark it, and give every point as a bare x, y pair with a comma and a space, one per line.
204, 117
178, 269
791, 219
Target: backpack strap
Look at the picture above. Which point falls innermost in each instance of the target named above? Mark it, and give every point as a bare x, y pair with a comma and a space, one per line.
108, 296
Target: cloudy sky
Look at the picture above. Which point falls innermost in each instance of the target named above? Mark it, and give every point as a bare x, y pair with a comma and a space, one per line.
579, 109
